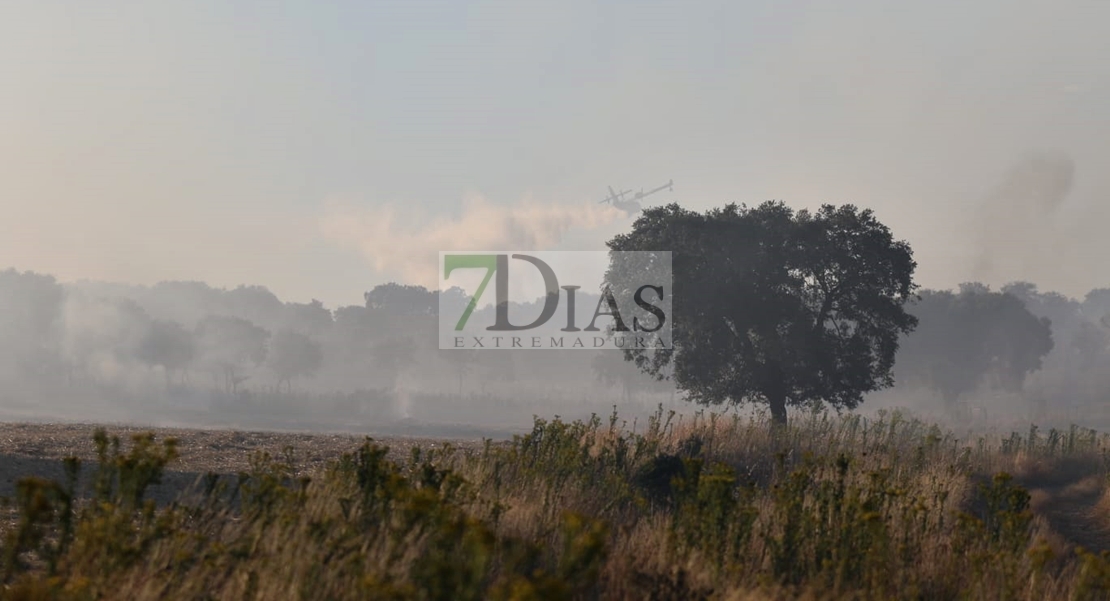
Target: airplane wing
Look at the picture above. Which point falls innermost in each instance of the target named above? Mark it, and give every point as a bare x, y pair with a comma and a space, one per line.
612, 196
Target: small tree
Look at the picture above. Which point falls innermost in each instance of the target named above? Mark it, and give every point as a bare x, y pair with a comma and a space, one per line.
293, 355
169, 345
31, 307
228, 344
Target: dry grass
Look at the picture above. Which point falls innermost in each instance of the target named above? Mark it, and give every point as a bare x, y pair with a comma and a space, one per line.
705, 508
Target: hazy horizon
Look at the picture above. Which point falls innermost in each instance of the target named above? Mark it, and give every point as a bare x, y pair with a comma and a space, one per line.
321, 150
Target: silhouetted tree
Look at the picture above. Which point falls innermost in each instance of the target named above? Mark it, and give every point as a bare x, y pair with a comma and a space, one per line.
168, 345
400, 299
184, 302
30, 311
293, 355
971, 338
228, 344
1065, 314
777, 307
254, 303
1088, 347
311, 319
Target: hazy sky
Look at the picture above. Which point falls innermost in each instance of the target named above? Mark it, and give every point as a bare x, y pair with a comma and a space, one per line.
320, 150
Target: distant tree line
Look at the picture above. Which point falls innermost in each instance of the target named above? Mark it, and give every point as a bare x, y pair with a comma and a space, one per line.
771, 306
191, 336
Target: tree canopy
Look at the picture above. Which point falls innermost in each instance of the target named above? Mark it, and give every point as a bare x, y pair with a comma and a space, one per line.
776, 306
971, 338
293, 355
227, 344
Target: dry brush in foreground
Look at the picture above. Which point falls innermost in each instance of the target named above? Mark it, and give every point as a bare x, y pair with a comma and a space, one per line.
713, 508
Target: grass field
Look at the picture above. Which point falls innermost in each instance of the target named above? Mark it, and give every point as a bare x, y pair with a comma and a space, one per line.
708, 507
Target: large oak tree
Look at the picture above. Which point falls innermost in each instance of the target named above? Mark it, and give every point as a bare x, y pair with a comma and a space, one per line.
775, 306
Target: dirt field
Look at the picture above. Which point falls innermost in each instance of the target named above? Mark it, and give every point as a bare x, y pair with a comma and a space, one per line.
37, 449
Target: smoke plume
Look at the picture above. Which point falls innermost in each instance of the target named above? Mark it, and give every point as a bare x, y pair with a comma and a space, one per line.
404, 242
1018, 228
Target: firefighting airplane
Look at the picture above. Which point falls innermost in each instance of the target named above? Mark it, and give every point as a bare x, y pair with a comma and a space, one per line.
632, 205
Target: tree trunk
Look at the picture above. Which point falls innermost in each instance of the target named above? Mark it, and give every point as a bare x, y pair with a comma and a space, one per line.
775, 393
777, 403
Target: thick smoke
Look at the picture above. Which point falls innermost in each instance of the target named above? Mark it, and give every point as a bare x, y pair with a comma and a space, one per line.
187, 353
